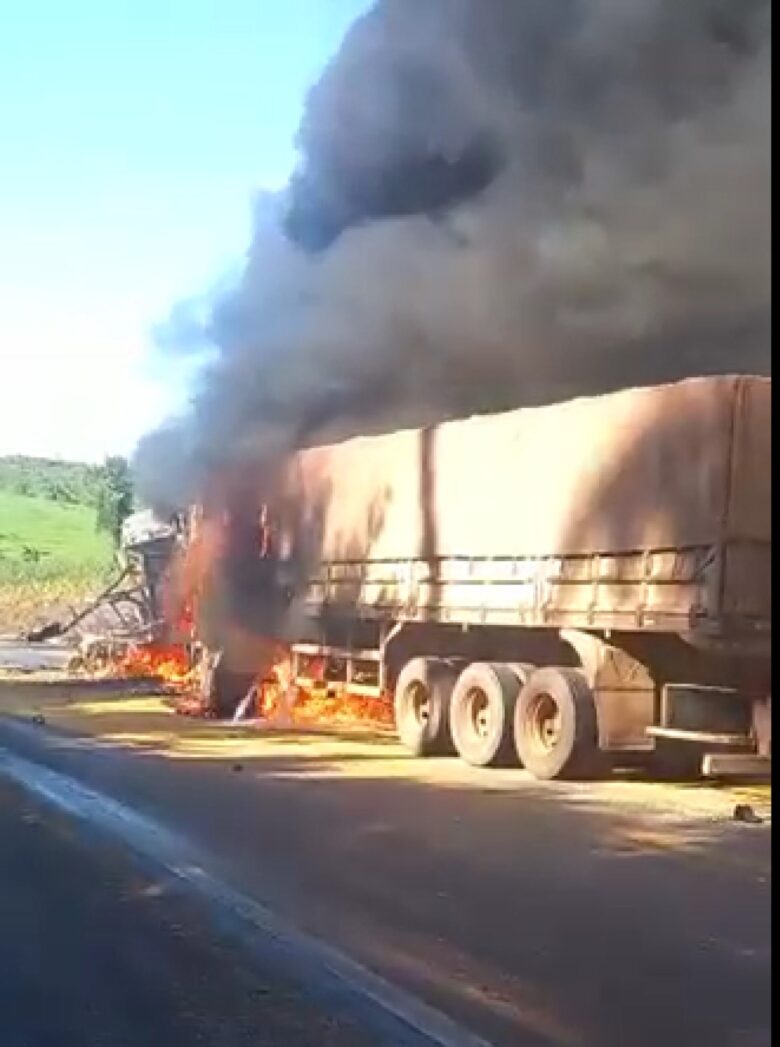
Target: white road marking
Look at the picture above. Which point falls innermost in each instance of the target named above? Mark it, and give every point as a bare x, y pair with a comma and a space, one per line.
261, 926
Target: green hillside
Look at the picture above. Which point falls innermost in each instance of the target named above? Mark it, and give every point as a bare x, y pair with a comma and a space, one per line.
44, 539
52, 556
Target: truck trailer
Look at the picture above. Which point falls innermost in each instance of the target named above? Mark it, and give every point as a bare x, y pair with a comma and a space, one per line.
562, 586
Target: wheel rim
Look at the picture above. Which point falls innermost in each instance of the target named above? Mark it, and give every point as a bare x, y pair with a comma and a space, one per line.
543, 722
478, 709
419, 703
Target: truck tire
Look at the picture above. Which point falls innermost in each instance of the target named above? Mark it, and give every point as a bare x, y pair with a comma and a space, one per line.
482, 712
422, 702
556, 733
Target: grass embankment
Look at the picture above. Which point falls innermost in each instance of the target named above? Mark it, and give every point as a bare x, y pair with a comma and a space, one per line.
51, 557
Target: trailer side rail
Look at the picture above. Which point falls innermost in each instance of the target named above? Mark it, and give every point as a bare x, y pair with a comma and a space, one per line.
665, 589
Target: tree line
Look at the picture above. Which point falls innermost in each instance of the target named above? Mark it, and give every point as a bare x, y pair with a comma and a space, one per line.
106, 488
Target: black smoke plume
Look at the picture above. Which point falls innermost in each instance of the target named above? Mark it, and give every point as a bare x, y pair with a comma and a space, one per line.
499, 202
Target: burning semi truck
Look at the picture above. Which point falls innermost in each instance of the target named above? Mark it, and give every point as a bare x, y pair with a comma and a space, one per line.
558, 585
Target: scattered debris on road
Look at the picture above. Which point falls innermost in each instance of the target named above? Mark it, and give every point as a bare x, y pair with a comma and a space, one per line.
743, 812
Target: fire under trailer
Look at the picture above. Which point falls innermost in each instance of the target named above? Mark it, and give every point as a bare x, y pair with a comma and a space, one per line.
561, 585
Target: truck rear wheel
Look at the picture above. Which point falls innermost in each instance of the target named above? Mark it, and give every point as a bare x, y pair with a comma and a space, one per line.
481, 713
555, 725
422, 703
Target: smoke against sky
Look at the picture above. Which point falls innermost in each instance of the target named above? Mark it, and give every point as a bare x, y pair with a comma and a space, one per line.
498, 203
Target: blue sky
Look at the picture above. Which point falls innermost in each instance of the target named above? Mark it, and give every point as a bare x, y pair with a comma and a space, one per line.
132, 138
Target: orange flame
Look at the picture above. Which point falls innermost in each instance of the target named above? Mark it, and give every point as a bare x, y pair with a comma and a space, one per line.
189, 573
281, 701
277, 698
168, 662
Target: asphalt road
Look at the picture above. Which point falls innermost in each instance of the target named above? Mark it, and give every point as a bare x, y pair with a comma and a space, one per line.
96, 952
16, 654
521, 914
